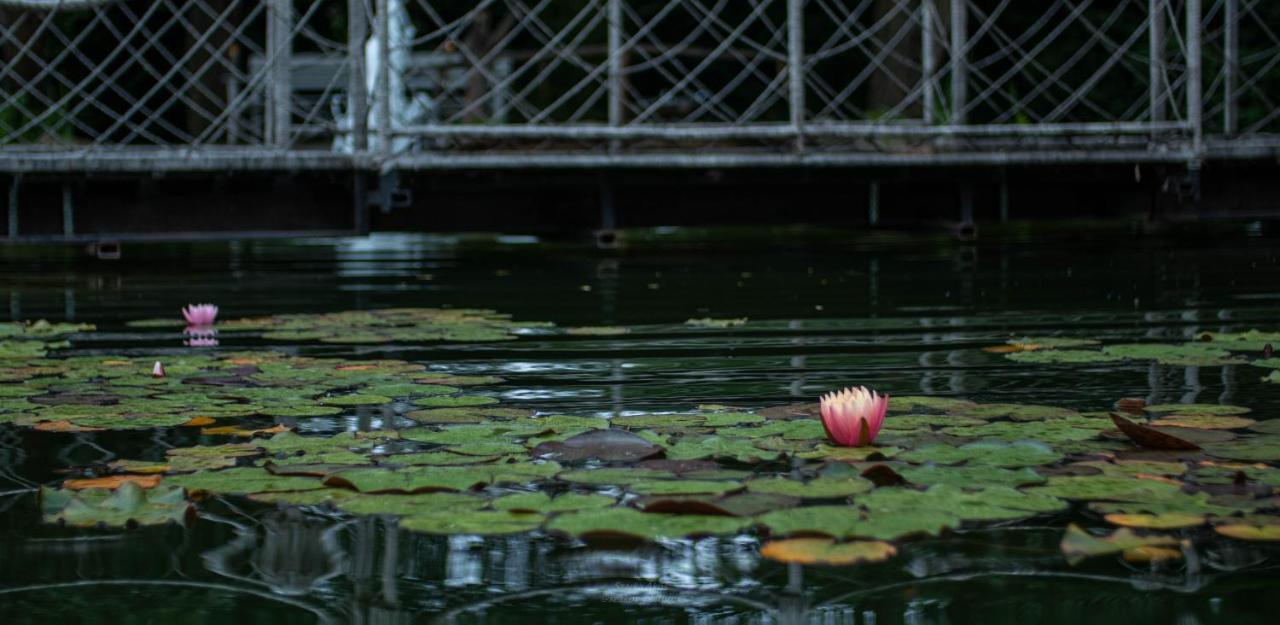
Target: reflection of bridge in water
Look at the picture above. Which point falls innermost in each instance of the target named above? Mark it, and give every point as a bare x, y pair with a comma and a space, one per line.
217, 86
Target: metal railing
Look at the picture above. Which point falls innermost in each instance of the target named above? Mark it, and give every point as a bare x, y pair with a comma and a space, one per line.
137, 85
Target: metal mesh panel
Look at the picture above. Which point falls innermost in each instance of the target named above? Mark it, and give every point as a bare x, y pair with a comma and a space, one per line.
337, 83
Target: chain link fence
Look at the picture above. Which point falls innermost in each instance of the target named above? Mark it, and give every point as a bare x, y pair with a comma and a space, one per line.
401, 84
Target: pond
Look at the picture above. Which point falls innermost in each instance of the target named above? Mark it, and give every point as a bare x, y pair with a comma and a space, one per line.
412, 429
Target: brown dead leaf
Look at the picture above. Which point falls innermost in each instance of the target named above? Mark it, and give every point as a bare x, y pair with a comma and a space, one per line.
63, 426
113, 482
1151, 438
235, 430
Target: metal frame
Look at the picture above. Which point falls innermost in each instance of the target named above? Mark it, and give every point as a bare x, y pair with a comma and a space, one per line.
686, 83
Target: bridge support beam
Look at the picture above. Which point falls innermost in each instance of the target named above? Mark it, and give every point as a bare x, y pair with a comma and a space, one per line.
11, 206
280, 40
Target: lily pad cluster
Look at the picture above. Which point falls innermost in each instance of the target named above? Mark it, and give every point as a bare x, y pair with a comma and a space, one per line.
85, 393
940, 465
1208, 349
388, 325
34, 339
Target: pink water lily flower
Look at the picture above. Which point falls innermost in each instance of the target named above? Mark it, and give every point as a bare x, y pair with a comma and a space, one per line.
200, 314
158, 370
853, 416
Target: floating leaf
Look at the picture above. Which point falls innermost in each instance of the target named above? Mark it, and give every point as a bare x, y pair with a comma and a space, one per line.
820, 488
1107, 488
1064, 356
986, 453
683, 487
1259, 448
112, 482
970, 476
442, 401
1204, 422
1197, 409
1017, 412
917, 403
1242, 531
620, 477
125, 506
827, 552
479, 522
240, 481
545, 504
1186, 354
610, 445
1167, 521
1078, 545
629, 523
1151, 438
718, 447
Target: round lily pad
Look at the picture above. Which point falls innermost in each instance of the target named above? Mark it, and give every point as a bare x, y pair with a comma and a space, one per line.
819, 488
545, 504
827, 552
630, 523
481, 522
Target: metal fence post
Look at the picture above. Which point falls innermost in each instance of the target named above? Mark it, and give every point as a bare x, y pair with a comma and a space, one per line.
795, 65
1231, 68
357, 87
615, 62
1195, 94
928, 61
280, 35
959, 61
12, 206
382, 95
1155, 60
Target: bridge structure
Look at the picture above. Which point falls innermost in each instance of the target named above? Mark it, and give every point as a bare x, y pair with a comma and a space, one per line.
379, 88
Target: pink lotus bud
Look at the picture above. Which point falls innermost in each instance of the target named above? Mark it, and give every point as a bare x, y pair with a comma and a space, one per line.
852, 417
158, 370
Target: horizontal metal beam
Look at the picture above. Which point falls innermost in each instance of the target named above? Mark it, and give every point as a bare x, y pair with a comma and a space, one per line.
678, 160
1070, 146
142, 237
712, 132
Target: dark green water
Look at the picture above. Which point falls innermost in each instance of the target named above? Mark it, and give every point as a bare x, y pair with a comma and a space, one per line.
907, 319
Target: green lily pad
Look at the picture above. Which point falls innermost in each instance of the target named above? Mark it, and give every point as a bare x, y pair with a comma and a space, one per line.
1078, 545
819, 488
1197, 409
1018, 412
1064, 357
740, 450
1264, 448
482, 522
414, 479
404, 505
986, 453
357, 399
849, 522
970, 476
1107, 488
619, 477
917, 403
627, 522
240, 481
683, 487
1186, 354
125, 506
300, 411
545, 504
444, 401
